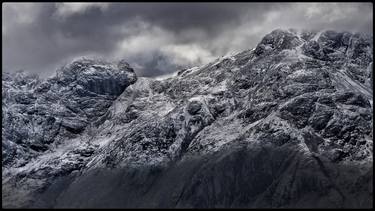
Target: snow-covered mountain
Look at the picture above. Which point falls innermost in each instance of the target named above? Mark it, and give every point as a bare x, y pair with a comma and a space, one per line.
287, 124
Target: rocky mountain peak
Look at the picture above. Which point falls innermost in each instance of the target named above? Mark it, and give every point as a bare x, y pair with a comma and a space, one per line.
278, 40
96, 76
57, 108
123, 65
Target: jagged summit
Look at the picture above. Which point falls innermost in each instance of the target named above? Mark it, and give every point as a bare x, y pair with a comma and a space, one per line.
278, 40
288, 124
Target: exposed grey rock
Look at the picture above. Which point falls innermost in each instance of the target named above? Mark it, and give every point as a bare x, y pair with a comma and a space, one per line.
321, 116
299, 109
37, 113
194, 107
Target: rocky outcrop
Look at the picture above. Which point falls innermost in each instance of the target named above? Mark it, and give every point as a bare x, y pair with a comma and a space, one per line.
39, 113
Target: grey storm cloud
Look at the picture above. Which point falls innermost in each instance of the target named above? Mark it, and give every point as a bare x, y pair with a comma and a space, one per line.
157, 38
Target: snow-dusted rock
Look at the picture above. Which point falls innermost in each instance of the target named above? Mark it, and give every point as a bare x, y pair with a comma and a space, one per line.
39, 113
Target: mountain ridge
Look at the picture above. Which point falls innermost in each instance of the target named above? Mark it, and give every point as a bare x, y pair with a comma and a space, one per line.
306, 94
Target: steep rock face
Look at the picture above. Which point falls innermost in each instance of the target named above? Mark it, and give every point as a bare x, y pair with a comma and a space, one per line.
39, 116
294, 113
36, 114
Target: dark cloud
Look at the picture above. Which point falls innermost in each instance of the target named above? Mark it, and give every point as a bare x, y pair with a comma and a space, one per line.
157, 38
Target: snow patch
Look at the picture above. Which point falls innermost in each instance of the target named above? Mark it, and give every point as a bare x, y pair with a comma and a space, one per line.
166, 76
317, 35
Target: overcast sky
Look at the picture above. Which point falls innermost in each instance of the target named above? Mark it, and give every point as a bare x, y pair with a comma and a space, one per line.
157, 38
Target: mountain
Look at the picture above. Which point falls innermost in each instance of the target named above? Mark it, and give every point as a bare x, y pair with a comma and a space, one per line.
286, 124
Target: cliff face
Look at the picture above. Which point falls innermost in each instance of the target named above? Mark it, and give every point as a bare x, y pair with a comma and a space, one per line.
287, 124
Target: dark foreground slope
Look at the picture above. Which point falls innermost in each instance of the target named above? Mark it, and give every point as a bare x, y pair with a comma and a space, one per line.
241, 176
287, 124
